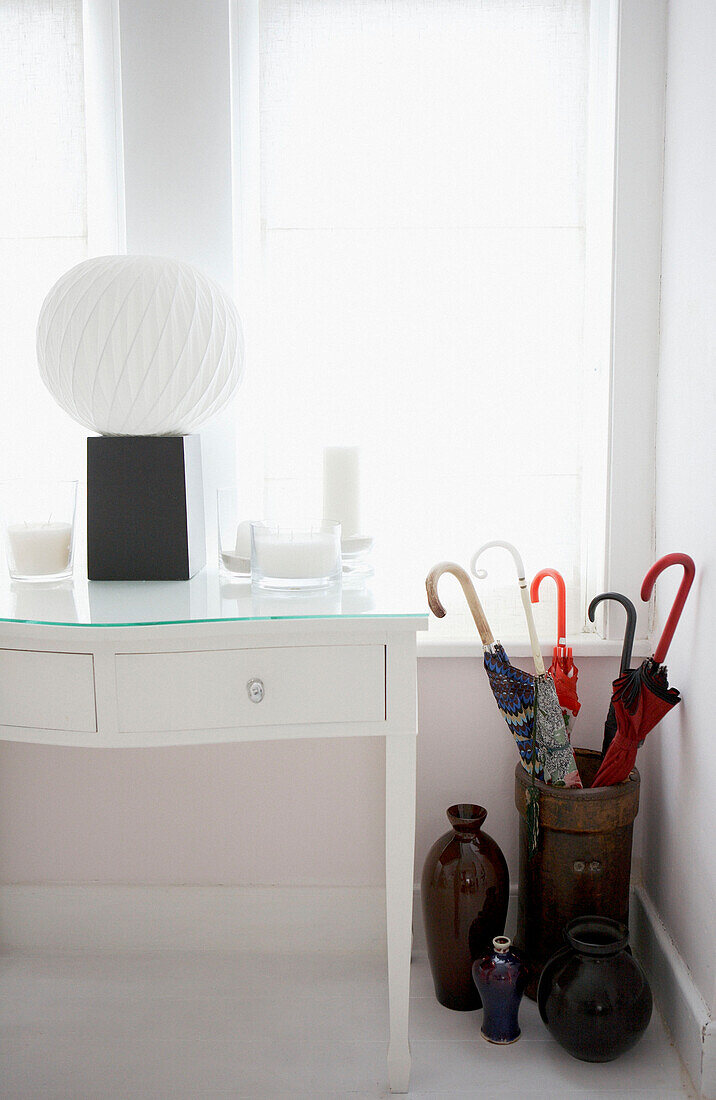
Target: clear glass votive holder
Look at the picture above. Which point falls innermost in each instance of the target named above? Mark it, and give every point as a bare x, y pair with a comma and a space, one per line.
38, 518
357, 566
296, 558
234, 534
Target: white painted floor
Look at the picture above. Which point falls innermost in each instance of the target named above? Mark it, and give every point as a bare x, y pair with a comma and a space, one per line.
182, 1027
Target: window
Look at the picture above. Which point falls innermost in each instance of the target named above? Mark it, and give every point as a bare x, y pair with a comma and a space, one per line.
434, 200
43, 219
421, 259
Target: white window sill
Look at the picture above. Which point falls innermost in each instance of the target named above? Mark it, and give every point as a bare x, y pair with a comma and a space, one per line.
584, 645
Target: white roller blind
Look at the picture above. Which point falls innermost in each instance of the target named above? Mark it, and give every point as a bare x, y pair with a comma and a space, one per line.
43, 219
422, 205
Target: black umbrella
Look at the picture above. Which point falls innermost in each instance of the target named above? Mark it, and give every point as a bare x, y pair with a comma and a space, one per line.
610, 726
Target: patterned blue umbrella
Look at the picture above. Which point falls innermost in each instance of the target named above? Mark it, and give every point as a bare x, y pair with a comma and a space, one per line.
530, 707
528, 703
514, 692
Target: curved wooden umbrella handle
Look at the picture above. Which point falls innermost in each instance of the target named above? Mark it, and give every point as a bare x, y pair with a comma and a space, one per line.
647, 587
431, 585
561, 601
630, 629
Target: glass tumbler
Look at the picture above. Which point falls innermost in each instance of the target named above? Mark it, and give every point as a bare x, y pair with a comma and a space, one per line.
234, 534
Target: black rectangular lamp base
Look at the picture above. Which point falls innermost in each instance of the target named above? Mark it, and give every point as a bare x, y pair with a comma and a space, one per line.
145, 508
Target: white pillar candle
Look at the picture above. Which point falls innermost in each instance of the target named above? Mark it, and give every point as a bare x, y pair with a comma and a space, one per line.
243, 540
40, 549
341, 488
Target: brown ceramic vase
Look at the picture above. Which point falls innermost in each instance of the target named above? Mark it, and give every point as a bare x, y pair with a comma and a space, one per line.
465, 889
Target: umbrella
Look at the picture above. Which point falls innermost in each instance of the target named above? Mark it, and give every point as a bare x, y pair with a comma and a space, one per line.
551, 758
642, 696
563, 669
610, 726
513, 689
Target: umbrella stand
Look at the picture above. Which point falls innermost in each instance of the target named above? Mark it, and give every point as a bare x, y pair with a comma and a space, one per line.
610, 726
563, 669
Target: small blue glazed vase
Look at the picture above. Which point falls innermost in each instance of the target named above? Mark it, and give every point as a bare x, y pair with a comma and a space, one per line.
500, 977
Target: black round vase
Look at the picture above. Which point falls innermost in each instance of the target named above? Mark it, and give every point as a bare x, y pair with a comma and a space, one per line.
593, 995
465, 890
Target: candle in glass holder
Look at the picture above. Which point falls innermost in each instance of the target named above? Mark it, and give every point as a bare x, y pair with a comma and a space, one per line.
38, 519
39, 549
294, 558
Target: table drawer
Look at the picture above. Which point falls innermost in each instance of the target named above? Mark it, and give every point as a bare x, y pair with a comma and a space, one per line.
208, 690
47, 690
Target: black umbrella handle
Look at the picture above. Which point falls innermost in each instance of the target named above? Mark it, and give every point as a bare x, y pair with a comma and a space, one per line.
630, 629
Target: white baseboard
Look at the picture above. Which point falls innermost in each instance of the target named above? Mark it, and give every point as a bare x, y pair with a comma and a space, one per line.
191, 918
684, 1010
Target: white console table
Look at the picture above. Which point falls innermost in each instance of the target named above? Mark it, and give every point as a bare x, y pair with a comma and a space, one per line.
108, 664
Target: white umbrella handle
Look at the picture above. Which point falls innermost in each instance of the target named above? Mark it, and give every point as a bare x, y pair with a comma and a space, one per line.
524, 593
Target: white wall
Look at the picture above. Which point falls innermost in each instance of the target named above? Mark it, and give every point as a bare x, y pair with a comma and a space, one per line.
679, 807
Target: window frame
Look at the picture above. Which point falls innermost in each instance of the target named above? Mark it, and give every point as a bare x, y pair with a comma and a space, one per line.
106, 200
625, 182
623, 248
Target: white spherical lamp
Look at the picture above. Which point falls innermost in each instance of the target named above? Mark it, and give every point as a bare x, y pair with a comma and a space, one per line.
139, 345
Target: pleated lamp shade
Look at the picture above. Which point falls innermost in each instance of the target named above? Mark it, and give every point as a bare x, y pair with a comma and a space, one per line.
139, 345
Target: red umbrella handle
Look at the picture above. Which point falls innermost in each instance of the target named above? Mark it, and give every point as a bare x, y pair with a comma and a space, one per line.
561, 601
647, 588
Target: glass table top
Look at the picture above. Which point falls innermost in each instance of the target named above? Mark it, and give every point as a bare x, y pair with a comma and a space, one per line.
210, 596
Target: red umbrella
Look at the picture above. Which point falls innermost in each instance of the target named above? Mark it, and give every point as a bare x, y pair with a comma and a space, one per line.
563, 669
642, 696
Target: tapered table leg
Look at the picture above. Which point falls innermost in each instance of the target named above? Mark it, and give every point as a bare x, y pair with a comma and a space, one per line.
399, 857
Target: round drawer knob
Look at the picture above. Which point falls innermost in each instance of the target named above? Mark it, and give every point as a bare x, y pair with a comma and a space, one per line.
255, 689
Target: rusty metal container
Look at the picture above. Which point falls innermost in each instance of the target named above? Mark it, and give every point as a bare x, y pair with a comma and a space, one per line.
582, 864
